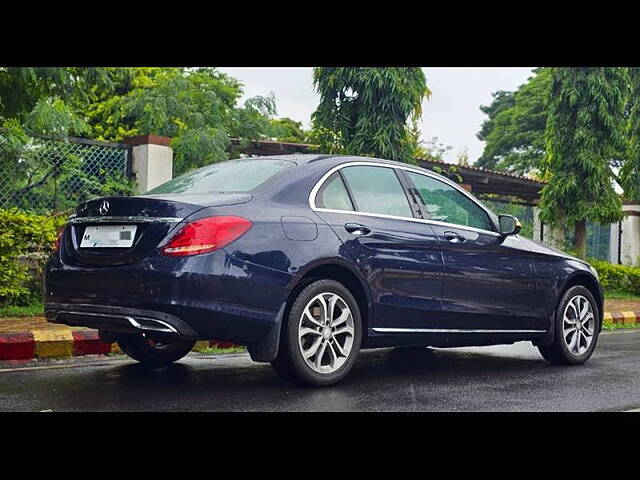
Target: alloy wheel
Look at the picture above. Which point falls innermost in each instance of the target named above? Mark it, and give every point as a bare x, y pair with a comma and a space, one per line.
326, 333
578, 325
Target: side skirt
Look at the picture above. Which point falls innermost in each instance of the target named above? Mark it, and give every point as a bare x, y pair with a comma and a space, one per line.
391, 337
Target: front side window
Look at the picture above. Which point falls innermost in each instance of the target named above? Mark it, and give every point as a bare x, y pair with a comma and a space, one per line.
233, 176
446, 204
377, 190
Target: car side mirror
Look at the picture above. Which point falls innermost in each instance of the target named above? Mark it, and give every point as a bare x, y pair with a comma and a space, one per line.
509, 225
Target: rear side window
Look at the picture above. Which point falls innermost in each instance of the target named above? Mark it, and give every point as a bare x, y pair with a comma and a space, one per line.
235, 176
333, 194
377, 190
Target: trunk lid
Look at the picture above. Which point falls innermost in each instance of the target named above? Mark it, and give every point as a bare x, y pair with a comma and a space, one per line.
153, 217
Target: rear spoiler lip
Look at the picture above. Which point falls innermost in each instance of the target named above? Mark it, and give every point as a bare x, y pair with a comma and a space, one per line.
214, 199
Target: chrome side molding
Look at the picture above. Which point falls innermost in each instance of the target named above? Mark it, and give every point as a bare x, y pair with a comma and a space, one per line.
450, 330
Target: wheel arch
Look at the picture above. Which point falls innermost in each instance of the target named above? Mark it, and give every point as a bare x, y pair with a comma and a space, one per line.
338, 271
591, 284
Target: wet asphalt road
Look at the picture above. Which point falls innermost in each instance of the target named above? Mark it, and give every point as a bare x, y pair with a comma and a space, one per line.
501, 378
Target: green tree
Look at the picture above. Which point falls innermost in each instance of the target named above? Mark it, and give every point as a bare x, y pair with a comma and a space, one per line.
366, 111
21, 88
432, 149
584, 132
630, 171
502, 100
288, 130
196, 107
514, 131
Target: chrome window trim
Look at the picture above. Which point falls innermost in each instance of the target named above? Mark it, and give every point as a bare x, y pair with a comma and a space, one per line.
133, 219
318, 185
450, 330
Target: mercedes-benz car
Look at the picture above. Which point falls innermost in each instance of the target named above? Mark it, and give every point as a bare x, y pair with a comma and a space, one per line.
306, 259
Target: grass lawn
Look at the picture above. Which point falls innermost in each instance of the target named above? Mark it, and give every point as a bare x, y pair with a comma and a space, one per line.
215, 350
621, 295
617, 326
35, 309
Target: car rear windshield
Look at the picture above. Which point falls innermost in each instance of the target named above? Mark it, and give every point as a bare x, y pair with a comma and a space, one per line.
234, 176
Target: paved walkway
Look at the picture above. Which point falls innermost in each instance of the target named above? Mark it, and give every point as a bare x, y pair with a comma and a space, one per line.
26, 324
621, 305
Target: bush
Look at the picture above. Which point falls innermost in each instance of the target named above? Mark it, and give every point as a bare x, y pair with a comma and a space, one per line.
22, 233
618, 278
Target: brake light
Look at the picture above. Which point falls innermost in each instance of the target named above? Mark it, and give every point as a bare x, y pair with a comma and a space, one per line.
206, 235
56, 245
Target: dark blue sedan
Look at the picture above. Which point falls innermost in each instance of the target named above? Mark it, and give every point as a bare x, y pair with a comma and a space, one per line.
306, 259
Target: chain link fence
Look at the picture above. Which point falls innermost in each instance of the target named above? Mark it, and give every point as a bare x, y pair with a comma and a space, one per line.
53, 175
598, 241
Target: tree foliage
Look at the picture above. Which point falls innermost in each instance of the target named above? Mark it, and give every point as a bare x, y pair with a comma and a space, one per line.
196, 107
21, 88
366, 111
514, 131
288, 130
585, 130
630, 171
21, 233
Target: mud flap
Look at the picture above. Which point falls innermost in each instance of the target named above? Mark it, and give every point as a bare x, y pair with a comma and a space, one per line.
549, 337
267, 349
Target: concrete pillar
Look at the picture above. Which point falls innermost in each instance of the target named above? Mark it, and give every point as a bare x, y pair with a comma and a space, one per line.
630, 245
554, 237
614, 243
152, 162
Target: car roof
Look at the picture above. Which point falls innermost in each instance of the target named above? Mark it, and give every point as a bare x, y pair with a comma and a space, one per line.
324, 161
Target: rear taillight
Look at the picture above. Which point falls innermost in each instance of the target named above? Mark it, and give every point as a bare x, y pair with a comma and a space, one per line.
56, 245
206, 235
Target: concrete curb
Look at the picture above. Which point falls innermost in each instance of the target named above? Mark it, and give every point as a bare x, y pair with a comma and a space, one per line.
66, 343
621, 318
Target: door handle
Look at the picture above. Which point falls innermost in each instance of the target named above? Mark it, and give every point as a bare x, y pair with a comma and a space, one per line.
357, 229
453, 237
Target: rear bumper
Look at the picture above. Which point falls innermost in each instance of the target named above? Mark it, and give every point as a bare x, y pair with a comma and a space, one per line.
205, 296
117, 319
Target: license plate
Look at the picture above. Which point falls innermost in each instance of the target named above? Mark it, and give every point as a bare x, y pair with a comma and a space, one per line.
108, 236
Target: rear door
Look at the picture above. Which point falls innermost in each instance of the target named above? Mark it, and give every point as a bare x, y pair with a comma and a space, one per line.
367, 207
489, 280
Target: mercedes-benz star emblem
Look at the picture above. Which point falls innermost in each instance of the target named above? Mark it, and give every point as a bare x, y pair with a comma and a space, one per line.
104, 208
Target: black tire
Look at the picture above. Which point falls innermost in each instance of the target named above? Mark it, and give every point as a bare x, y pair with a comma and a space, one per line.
290, 363
558, 352
155, 354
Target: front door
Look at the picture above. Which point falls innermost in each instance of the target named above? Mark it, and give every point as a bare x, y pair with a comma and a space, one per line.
489, 281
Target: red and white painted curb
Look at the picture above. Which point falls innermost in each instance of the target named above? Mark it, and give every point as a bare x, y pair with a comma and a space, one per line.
66, 343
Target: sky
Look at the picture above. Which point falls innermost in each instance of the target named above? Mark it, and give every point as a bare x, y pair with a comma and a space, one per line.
452, 114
